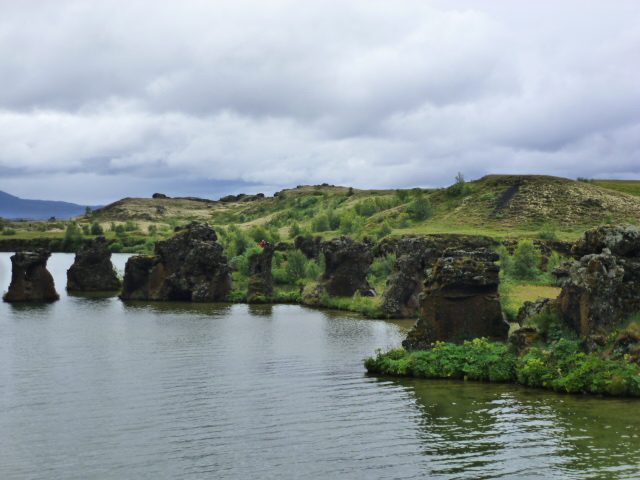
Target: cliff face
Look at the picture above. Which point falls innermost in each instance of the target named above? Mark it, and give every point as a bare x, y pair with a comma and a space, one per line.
190, 266
30, 279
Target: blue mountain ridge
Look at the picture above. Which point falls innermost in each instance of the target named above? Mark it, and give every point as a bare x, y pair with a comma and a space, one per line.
12, 207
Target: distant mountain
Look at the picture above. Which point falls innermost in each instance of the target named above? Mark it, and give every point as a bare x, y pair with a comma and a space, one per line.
15, 208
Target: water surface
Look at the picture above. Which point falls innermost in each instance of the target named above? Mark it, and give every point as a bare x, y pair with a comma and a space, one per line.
91, 387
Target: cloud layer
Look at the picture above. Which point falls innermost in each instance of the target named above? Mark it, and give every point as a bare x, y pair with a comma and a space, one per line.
208, 98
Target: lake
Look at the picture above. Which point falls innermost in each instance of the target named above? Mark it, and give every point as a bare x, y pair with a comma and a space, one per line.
94, 388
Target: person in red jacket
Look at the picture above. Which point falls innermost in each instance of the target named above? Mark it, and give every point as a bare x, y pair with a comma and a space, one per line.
263, 243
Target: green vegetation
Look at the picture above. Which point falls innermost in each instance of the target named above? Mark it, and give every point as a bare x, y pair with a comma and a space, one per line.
561, 364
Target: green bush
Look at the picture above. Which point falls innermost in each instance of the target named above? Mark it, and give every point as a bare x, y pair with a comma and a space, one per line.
96, 229
419, 209
382, 267
9, 231
73, 239
526, 261
116, 247
460, 188
320, 223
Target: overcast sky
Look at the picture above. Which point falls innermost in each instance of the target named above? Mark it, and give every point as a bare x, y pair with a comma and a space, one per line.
101, 100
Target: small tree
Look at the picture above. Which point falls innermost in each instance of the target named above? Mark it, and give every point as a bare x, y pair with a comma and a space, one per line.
526, 261
96, 229
459, 188
420, 209
73, 238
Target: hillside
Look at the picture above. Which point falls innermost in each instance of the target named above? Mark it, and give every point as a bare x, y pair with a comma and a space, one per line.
496, 204
12, 207
502, 206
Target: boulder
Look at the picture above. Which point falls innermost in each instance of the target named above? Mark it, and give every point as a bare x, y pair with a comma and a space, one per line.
260, 275
416, 257
92, 270
460, 301
190, 266
529, 309
159, 195
347, 266
30, 279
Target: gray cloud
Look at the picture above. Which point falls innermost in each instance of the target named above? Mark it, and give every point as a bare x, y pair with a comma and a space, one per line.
274, 94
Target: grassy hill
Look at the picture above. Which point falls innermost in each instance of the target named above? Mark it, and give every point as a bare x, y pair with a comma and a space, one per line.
504, 206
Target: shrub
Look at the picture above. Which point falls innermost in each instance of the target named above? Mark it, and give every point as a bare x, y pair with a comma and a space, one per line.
419, 209
9, 231
96, 229
382, 267
73, 239
86, 230
131, 226
320, 223
116, 247
459, 188
526, 261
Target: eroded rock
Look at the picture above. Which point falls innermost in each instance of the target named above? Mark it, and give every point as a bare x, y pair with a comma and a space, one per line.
602, 287
190, 266
416, 257
92, 270
30, 279
347, 266
261, 277
460, 301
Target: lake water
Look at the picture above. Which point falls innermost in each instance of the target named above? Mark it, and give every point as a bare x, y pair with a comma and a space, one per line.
94, 388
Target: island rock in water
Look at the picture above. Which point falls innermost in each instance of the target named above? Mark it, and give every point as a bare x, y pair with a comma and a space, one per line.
92, 270
30, 279
190, 266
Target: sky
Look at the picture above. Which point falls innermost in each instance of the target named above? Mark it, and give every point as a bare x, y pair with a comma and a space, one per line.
101, 100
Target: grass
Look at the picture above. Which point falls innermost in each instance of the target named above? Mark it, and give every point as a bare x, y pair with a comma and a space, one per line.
632, 187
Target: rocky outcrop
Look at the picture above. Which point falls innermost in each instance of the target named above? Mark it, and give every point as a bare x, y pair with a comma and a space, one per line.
460, 301
347, 267
92, 270
261, 277
190, 266
416, 257
310, 246
602, 287
30, 279
529, 309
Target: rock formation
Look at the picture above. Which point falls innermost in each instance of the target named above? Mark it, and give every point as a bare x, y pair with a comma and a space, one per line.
347, 267
416, 257
190, 266
261, 277
92, 270
310, 246
602, 286
30, 279
460, 301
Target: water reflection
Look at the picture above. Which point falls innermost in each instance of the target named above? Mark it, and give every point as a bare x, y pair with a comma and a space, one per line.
476, 430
